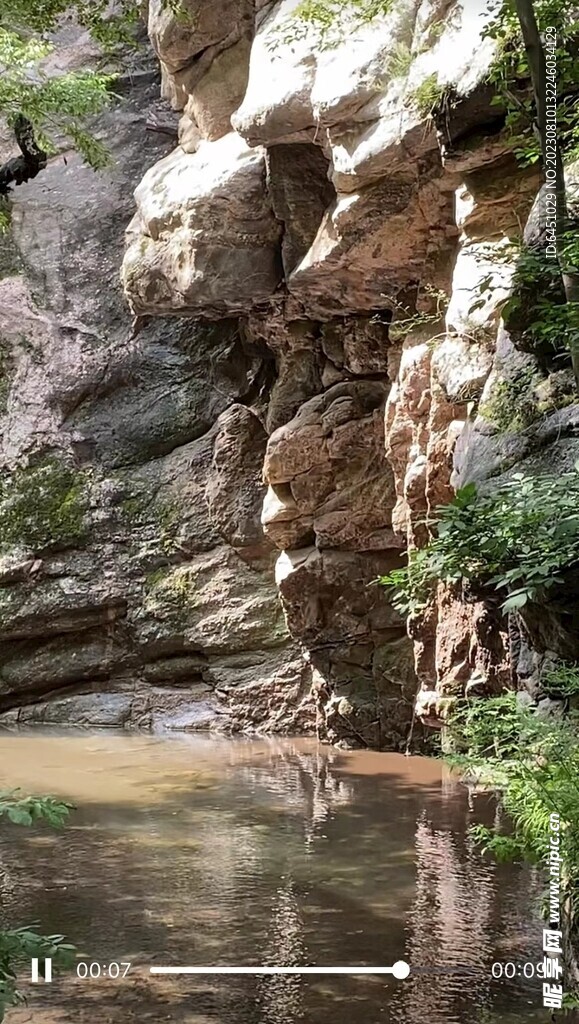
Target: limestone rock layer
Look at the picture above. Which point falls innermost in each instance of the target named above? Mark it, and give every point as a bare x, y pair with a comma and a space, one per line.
315, 267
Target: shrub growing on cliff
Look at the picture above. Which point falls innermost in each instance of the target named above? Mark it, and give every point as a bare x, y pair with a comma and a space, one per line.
519, 539
561, 680
19, 945
533, 761
428, 97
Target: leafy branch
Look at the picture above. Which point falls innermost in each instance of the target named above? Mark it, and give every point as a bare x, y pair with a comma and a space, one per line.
519, 540
47, 110
19, 945
30, 810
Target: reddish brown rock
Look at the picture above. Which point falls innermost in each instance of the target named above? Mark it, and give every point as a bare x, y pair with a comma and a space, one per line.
327, 474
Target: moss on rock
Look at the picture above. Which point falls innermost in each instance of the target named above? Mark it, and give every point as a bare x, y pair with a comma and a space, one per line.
170, 589
43, 506
519, 401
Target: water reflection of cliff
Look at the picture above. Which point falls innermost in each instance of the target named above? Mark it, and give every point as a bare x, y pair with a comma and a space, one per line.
271, 852
464, 917
305, 782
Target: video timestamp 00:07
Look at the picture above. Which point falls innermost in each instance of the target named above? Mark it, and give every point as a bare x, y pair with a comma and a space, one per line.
94, 970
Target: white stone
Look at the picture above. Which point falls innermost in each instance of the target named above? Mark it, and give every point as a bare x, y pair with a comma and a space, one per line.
277, 103
204, 237
346, 95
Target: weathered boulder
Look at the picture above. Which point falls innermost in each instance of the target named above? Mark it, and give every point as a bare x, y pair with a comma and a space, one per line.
353, 92
372, 245
178, 36
363, 674
204, 239
189, 38
234, 490
329, 487
328, 482
219, 92
300, 192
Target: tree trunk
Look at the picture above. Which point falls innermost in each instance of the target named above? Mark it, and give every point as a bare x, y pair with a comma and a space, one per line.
537, 67
32, 161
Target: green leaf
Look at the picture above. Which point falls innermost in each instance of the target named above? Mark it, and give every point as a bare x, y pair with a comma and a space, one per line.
19, 815
515, 601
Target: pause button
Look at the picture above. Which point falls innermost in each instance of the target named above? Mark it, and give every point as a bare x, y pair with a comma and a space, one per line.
47, 969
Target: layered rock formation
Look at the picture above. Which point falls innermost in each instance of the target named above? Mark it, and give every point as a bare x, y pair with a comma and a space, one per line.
316, 272
136, 585
321, 212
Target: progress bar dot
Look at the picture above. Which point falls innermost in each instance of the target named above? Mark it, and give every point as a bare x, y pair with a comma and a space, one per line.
401, 970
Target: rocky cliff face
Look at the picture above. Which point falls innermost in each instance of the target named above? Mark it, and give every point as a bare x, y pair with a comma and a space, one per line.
136, 583
194, 511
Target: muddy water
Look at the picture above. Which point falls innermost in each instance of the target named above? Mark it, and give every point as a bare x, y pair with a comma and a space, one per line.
193, 851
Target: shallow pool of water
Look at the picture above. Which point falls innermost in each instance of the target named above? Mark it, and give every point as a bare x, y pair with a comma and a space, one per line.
194, 851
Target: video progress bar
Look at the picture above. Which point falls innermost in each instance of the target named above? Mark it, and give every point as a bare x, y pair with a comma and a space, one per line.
399, 970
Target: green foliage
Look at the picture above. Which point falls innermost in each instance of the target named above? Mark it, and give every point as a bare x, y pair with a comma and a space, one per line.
31, 809
537, 309
140, 509
19, 945
510, 74
59, 107
512, 405
56, 107
534, 762
43, 505
5, 378
406, 321
487, 728
519, 539
428, 97
504, 848
400, 62
44, 16
526, 396
171, 589
402, 57
561, 680
330, 20
537, 305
